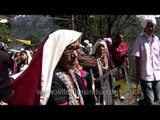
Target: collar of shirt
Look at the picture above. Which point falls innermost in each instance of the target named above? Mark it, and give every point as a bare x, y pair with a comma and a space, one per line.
149, 37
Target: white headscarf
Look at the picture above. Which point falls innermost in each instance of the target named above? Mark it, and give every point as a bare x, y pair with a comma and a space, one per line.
52, 52
147, 18
29, 56
102, 42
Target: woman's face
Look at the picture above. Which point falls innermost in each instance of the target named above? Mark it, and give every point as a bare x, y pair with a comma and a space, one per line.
17, 57
69, 56
24, 56
100, 50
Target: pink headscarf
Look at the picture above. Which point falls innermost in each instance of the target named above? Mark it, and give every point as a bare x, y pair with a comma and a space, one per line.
108, 40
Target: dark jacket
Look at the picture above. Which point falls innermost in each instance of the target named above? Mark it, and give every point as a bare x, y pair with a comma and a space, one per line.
6, 63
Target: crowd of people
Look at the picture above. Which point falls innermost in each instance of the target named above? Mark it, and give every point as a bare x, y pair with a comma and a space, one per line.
66, 71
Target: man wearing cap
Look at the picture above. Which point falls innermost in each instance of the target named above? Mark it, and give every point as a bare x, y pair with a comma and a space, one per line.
147, 54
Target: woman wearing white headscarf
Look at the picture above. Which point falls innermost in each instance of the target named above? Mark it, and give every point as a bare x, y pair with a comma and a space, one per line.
100, 51
147, 53
53, 61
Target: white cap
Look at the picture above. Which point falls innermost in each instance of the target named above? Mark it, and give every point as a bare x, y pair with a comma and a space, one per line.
2, 44
90, 44
22, 49
146, 19
86, 42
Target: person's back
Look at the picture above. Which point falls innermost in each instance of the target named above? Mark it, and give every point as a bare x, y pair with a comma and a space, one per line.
6, 63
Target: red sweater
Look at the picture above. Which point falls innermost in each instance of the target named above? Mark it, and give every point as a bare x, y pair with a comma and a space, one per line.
118, 51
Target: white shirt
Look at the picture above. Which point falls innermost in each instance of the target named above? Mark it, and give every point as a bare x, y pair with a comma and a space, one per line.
148, 49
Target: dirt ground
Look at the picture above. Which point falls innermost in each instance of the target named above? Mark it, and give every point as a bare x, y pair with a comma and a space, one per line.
130, 98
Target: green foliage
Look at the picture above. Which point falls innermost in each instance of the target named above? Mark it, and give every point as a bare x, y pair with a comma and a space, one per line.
38, 25
5, 28
97, 26
4, 32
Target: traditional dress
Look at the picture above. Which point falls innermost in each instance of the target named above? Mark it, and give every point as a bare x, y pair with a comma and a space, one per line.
33, 86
